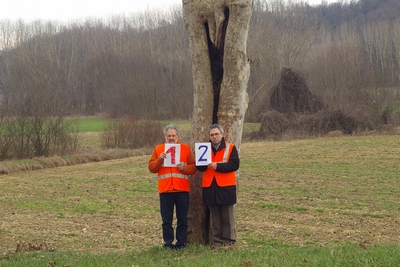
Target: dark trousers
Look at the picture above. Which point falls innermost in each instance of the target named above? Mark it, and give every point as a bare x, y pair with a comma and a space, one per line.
223, 224
179, 200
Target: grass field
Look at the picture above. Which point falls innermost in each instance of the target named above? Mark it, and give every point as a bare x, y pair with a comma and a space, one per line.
97, 124
91, 124
330, 201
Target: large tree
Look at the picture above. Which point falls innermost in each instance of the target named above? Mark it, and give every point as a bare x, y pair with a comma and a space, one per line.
217, 31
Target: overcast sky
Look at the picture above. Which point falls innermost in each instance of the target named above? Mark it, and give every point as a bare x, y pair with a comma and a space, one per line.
71, 10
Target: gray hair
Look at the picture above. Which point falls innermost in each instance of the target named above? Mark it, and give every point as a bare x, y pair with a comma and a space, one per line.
171, 126
215, 125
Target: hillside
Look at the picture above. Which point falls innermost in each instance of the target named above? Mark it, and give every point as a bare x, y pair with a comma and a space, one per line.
368, 11
383, 10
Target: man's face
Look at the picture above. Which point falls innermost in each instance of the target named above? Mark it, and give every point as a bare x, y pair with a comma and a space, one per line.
215, 136
171, 136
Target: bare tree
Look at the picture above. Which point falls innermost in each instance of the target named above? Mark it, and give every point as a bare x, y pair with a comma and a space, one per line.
218, 31
295, 34
338, 67
264, 61
380, 48
34, 92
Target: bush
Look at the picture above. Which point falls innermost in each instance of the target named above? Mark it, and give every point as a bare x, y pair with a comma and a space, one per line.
38, 136
131, 133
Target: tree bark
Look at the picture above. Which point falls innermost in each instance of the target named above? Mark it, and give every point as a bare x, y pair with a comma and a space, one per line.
217, 31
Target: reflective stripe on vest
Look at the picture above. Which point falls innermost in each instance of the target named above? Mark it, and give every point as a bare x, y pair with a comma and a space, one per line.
177, 175
227, 148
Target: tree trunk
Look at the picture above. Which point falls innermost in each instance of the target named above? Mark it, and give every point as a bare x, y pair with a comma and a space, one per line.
217, 31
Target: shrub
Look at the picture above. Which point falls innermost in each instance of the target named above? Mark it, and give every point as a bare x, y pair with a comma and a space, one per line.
131, 133
39, 136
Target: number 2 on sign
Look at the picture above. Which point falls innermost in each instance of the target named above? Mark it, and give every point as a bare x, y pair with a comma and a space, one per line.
203, 153
201, 158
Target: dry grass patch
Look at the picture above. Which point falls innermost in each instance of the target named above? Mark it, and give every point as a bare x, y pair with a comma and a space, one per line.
326, 191
90, 153
322, 191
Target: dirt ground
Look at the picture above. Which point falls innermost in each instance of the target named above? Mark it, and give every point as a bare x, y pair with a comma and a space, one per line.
99, 233
40, 207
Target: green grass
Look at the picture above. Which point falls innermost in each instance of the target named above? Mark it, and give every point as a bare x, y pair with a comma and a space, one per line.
273, 254
97, 124
86, 125
315, 202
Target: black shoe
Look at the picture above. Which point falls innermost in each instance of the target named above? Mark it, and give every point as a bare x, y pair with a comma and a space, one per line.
179, 246
169, 246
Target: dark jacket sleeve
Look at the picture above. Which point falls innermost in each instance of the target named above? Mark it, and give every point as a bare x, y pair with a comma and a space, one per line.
202, 168
233, 163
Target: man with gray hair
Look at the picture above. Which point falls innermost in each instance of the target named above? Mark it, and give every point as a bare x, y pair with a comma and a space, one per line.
219, 187
173, 187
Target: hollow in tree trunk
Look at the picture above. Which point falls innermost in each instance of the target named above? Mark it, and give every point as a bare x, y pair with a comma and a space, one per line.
217, 31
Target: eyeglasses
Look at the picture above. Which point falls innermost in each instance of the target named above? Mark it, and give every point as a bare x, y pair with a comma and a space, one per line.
215, 134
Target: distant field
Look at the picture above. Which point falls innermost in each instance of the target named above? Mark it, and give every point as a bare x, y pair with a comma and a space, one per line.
90, 129
96, 124
91, 125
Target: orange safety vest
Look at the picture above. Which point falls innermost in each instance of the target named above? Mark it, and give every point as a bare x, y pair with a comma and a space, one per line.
171, 178
223, 178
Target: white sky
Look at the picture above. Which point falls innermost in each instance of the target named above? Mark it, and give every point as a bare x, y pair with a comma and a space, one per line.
72, 10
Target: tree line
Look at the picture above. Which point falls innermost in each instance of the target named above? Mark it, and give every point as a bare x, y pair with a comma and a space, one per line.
139, 64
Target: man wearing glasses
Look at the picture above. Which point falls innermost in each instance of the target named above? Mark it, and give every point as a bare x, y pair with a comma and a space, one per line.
219, 187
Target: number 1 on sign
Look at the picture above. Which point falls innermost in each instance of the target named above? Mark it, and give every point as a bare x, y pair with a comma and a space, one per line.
173, 152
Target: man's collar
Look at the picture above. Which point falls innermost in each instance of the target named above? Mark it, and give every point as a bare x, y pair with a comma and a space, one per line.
220, 145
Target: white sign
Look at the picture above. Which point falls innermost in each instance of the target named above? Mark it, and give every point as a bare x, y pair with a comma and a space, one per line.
173, 152
203, 153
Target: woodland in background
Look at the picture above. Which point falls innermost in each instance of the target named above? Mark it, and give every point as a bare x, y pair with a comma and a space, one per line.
348, 54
